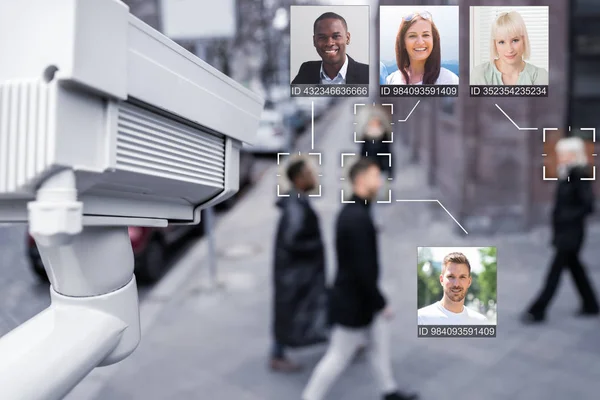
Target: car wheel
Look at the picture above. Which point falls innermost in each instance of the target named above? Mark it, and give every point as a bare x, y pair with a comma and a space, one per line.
151, 264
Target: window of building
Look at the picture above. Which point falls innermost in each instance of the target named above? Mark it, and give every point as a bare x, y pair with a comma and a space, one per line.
584, 101
586, 7
587, 38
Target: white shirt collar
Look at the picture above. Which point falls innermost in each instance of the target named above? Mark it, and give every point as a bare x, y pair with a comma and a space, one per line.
341, 74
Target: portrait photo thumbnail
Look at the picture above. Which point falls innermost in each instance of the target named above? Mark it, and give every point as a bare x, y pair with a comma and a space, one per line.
419, 45
329, 45
457, 286
509, 46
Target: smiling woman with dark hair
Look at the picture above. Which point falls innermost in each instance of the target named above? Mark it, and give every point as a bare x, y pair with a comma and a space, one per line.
418, 53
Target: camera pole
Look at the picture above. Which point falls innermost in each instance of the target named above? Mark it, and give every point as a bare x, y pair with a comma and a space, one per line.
212, 255
93, 319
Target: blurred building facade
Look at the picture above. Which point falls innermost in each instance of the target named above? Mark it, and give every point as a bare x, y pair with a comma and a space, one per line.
260, 48
486, 170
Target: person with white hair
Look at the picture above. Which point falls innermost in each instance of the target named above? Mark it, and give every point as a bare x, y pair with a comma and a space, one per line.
574, 201
375, 131
509, 48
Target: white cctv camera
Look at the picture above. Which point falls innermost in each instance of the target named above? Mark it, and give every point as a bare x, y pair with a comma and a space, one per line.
104, 123
151, 132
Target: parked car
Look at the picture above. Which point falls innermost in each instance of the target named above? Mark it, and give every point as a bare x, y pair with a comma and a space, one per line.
150, 246
294, 117
273, 135
279, 98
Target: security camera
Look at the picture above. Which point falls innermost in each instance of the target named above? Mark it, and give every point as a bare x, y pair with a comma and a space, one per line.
151, 132
104, 123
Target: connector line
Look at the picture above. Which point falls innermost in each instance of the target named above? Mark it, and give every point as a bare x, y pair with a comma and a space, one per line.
518, 127
312, 125
410, 113
441, 205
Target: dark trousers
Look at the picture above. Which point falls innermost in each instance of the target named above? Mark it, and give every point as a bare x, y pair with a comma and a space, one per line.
278, 350
570, 260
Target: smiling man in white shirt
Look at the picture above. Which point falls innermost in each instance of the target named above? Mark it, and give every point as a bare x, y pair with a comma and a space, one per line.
450, 310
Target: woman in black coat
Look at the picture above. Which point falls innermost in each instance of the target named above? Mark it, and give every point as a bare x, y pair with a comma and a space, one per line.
574, 201
300, 295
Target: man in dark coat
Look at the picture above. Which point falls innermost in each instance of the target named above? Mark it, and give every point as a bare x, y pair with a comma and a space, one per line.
574, 201
376, 145
300, 314
358, 309
330, 38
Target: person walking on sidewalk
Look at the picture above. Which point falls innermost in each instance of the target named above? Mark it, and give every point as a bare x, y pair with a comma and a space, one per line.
376, 144
574, 201
358, 309
300, 296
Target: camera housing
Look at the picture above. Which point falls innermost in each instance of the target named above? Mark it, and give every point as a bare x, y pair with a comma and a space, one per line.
104, 123
152, 133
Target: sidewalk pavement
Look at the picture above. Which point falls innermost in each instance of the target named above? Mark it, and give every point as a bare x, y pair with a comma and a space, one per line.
214, 344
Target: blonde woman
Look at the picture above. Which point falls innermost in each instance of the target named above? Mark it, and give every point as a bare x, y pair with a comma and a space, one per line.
509, 48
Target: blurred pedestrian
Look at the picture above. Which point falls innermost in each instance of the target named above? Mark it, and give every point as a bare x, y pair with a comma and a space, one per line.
300, 297
376, 144
375, 130
358, 309
574, 201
